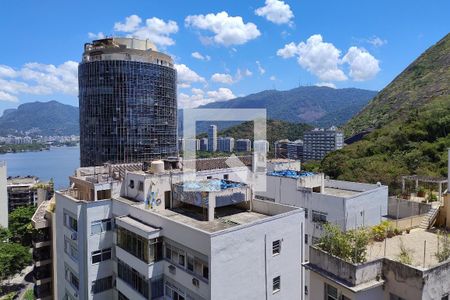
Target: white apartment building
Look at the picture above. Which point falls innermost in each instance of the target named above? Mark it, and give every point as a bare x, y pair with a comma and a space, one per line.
3, 196
124, 234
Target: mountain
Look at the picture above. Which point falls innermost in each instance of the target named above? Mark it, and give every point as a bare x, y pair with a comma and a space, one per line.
412, 120
276, 130
43, 118
318, 106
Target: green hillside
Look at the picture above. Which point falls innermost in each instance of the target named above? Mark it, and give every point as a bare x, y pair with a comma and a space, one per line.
276, 130
412, 115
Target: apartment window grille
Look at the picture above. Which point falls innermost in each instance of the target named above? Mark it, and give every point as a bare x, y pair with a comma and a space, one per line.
70, 248
276, 284
319, 217
101, 255
101, 285
100, 226
331, 293
276, 247
71, 278
146, 250
176, 255
133, 278
173, 292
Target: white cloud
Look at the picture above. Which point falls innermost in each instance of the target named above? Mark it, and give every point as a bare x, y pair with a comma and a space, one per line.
38, 79
261, 70
187, 76
7, 97
156, 30
363, 65
273, 78
276, 11
199, 97
222, 78
200, 56
96, 36
227, 30
327, 84
377, 41
324, 60
241, 74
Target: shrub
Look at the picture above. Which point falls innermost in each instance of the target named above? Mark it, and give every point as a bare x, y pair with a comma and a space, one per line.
443, 251
405, 254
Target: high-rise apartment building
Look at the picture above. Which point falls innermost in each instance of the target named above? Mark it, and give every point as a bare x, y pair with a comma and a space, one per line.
225, 144
204, 144
149, 235
243, 145
281, 148
3, 196
295, 150
22, 191
212, 138
128, 104
319, 142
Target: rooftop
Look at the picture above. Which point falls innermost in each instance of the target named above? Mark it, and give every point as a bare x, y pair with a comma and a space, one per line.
225, 217
22, 180
340, 192
209, 185
414, 242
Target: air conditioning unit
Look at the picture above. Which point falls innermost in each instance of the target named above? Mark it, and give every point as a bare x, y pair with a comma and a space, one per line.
195, 282
74, 236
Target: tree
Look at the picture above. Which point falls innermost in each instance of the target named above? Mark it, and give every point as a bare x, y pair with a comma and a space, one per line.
13, 258
5, 234
20, 225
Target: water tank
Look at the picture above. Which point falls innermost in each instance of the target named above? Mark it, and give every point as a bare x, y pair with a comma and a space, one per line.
157, 166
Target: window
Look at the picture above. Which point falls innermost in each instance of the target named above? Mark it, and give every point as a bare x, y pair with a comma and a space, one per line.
306, 239
208, 177
157, 288
133, 278
101, 285
101, 255
141, 186
319, 217
174, 292
331, 292
226, 176
306, 213
175, 255
190, 263
146, 250
276, 247
276, 284
70, 248
100, 226
71, 278
131, 185
70, 222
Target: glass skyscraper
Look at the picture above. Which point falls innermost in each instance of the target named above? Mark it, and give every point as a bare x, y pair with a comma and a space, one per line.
128, 102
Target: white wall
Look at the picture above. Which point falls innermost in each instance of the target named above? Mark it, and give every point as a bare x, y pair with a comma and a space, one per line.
243, 259
3, 196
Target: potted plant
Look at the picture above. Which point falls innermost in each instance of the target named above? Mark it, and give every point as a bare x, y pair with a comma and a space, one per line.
421, 192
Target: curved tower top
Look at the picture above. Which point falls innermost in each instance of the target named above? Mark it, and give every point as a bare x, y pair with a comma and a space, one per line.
128, 102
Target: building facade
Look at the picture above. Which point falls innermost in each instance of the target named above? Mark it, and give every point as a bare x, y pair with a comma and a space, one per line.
212, 138
204, 144
319, 142
243, 145
128, 104
281, 148
225, 144
148, 233
295, 150
21, 191
3, 196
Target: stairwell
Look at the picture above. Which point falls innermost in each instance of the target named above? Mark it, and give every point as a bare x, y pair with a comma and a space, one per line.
429, 218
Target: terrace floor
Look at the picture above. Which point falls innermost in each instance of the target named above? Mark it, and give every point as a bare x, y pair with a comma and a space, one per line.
414, 242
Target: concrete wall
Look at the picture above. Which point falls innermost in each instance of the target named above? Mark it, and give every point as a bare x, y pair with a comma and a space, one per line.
243, 259
401, 208
3, 196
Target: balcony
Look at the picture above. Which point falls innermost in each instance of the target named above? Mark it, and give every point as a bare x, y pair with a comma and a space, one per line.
42, 256
43, 291
42, 272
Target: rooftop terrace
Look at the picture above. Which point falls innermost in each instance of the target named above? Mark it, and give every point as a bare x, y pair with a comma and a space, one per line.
291, 174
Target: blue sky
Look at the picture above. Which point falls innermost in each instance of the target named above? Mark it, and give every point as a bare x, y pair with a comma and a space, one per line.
222, 48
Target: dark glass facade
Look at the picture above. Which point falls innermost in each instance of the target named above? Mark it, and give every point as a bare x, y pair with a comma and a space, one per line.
128, 111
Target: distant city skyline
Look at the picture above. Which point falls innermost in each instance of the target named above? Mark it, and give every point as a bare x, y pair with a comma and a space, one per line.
253, 46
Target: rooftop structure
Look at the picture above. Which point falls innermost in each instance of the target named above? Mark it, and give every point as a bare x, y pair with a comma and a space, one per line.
131, 120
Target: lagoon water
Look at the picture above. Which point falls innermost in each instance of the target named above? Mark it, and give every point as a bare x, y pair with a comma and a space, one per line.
57, 163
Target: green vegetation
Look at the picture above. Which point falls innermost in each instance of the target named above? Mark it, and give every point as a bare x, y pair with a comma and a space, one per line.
443, 252
7, 148
350, 246
29, 295
20, 225
383, 230
13, 258
405, 254
412, 115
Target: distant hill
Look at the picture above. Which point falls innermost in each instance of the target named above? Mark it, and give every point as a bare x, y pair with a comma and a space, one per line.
43, 118
412, 120
318, 106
